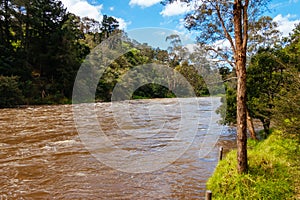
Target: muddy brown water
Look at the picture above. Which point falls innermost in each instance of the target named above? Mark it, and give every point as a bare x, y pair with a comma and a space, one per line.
43, 157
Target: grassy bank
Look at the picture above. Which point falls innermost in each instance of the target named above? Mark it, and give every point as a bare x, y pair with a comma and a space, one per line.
273, 172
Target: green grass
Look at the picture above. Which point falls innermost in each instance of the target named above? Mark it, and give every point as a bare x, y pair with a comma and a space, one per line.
273, 172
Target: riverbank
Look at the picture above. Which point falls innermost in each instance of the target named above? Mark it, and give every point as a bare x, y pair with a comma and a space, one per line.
273, 171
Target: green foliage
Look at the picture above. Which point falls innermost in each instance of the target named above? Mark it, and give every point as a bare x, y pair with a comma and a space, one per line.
286, 112
272, 89
142, 54
287, 104
263, 33
265, 78
44, 45
194, 79
10, 94
117, 69
152, 91
228, 109
109, 25
273, 171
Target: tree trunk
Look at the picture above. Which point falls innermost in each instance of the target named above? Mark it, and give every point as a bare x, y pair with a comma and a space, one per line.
251, 127
241, 119
240, 61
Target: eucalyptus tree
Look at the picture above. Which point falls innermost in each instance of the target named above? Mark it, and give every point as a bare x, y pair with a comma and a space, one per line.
161, 56
177, 52
263, 33
220, 20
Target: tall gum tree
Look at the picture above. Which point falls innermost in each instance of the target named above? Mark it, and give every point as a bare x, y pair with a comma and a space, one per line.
218, 21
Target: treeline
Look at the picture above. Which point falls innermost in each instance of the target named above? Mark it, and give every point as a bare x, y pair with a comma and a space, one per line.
42, 47
273, 85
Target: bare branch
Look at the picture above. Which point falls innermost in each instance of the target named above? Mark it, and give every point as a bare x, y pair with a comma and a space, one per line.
245, 24
208, 48
230, 79
227, 35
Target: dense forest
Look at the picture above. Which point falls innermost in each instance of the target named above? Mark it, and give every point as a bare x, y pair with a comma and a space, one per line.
42, 47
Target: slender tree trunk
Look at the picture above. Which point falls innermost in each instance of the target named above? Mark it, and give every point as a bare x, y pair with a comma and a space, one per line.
1, 25
241, 119
6, 22
240, 61
251, 127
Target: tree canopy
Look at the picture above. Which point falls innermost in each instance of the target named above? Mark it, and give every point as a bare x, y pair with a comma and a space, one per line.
43, 46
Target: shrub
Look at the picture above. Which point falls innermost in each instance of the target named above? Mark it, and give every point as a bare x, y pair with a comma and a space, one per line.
10, 94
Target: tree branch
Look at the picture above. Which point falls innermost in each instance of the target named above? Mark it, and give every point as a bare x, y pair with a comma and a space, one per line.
227, 35
207, 48
245, 24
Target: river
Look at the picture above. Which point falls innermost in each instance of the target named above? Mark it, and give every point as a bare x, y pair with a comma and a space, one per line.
44, 156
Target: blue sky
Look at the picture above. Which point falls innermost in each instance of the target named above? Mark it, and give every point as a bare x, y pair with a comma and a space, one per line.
137, 14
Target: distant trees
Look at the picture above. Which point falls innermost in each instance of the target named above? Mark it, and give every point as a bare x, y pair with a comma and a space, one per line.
44, 48
109, 25
10, 93
142, 54
194, 78
44, 45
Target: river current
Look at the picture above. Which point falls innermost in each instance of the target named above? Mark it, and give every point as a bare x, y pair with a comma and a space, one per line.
44, 154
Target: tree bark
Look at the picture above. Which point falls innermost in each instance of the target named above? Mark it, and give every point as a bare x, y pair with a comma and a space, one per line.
240, 59
241, 119
251, 127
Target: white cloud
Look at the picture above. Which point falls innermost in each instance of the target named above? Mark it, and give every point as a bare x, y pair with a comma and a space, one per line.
144, 3
83, 9
122, 23
286, 23
293, 1
176, 8
191, 47
222, 44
